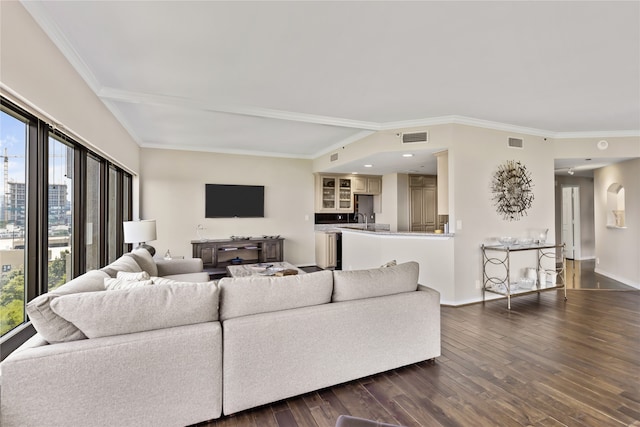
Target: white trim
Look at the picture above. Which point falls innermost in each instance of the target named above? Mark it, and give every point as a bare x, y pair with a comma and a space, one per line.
618, 278
107, 93
224, 151
598, 134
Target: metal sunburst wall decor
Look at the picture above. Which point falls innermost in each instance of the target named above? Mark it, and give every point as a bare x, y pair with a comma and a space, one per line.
512, 190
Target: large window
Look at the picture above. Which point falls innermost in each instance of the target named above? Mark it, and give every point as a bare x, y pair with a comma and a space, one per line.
61, 204
60, 213
92, 214
13, 143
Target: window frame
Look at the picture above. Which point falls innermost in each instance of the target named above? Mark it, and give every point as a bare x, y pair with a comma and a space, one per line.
36, 215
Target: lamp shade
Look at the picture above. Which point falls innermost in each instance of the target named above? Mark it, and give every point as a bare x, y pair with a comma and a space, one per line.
139, 231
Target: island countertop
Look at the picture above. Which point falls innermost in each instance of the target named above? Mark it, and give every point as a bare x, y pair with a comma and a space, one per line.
387, 232
375, 228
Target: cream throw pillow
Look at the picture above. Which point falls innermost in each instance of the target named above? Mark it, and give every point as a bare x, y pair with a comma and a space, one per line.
142, 275
118, 284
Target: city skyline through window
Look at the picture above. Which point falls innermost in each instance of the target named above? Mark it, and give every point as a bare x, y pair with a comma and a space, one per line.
13, 143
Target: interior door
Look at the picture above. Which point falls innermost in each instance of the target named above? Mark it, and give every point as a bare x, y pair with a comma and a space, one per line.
571, 221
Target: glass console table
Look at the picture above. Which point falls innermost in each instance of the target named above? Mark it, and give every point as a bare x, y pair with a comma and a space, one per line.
496, 270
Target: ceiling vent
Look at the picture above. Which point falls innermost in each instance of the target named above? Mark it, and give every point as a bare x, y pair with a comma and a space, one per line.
333, 157
414, 137
516, 143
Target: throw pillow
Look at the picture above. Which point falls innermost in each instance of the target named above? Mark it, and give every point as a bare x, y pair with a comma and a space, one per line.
163, 281
124, 275
358, 284
124, 263
112, 284
144, 259
147, 308
53, 328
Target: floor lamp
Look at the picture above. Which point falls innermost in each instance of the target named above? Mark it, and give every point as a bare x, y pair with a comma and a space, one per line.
140, 232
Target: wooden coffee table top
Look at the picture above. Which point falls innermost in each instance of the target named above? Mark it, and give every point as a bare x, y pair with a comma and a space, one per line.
262, 269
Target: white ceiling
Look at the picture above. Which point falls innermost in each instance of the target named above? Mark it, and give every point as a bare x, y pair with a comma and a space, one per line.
301, 78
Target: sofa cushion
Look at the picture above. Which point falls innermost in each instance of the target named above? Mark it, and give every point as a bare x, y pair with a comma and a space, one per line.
144, 259
124, 263
47, 323
101, 314
243, 296
376, 282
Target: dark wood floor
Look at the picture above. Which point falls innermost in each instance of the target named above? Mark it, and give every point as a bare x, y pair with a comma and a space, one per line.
547, 362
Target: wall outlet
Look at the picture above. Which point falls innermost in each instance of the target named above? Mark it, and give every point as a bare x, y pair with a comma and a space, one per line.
459, 225
478, 284
306, 217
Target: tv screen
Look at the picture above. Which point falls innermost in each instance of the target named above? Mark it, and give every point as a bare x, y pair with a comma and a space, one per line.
234, 201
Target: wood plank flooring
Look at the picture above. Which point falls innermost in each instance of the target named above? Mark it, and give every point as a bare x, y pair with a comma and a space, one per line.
546, 362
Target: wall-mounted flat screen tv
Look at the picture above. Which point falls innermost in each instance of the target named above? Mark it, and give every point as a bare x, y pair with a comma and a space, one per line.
234, 201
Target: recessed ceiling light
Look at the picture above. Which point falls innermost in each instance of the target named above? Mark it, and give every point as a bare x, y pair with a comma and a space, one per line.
354, 173
368, 166
407, 155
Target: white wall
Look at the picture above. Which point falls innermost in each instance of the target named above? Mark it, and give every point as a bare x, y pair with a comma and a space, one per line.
395, 202
618, 250
34, 70
434, 254
474, 156
173, 184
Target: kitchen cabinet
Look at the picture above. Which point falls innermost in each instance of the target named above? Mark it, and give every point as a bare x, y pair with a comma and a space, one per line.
333, 194
367, 185
424, 201
326, 249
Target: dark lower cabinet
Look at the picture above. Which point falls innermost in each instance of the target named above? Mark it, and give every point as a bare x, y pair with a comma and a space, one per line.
216, 255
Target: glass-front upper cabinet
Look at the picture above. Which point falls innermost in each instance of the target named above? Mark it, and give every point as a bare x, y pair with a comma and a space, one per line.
345, 197
335, 194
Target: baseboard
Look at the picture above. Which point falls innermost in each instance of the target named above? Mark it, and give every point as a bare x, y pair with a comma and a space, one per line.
618, 278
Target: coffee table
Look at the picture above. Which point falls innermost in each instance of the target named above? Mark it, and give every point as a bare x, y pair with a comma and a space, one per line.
261, 269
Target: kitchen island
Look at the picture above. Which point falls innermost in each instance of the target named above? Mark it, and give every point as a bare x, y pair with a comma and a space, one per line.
367, 248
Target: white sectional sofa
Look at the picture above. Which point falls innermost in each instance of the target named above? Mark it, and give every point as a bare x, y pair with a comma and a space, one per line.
179, 353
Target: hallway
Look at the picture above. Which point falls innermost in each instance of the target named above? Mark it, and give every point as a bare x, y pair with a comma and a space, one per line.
582, 275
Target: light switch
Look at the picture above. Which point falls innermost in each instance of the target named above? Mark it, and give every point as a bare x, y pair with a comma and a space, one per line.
459, 224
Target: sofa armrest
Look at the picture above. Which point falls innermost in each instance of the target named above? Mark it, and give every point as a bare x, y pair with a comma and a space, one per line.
169, 267
432, 292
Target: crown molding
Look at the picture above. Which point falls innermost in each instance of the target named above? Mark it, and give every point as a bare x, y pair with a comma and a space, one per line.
598, 134
226, 151
469, 121
112, 94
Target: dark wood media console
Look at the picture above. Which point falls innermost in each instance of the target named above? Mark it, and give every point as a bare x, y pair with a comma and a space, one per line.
217, 254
